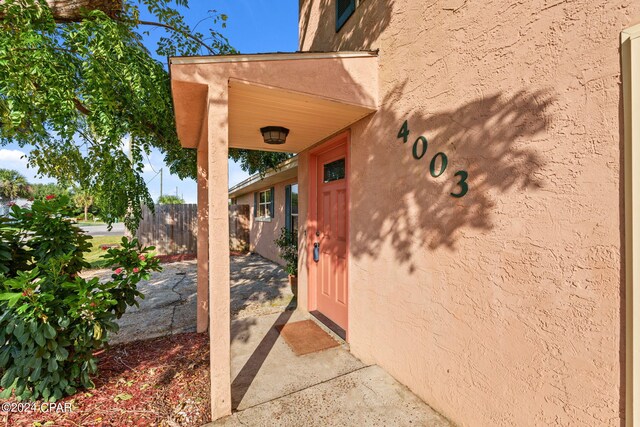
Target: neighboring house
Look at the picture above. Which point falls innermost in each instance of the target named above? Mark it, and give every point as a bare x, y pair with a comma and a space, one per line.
5, 205
273, 202
468, 196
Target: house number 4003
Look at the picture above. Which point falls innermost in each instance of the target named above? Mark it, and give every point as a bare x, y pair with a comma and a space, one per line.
420, 146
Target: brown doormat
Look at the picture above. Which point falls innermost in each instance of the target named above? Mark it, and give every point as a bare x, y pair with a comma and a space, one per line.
306, 337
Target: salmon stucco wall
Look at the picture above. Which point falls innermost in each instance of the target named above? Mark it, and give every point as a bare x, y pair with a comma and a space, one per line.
263, 233
504, 307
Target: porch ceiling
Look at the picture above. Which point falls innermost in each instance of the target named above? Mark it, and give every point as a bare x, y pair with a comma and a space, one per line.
309, 118
314, 95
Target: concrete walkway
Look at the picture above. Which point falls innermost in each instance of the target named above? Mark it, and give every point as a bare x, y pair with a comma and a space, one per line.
258, 287
273, 386
169, 305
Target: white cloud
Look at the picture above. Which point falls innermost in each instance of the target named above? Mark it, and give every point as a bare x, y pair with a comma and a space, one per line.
11, 156
148, 169
16, 160
236, 174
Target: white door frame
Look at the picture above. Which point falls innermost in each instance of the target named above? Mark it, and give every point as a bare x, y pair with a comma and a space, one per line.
630, 51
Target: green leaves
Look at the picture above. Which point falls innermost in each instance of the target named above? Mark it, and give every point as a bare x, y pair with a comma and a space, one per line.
48, 331
51, 319
61, 354
287, 244
21, 333
52, 366
74, 91
8, 378
168, 199
12, 298
253, 161
42, 234
4, 357
39, 338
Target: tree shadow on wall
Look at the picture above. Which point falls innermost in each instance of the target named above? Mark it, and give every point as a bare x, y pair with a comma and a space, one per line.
490, 138
359, 32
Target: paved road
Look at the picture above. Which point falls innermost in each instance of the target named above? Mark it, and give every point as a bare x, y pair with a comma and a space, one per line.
101, 230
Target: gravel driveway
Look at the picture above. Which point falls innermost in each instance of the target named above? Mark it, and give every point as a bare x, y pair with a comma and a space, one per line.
258, 287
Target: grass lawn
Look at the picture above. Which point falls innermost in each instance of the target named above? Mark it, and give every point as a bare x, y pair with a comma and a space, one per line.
93, 257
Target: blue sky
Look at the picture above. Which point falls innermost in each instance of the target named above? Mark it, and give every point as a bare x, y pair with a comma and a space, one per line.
252, 26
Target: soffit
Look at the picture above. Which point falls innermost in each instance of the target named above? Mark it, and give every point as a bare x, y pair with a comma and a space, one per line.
309, 118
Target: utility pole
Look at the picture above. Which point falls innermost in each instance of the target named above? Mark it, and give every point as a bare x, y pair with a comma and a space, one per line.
160, 182
131, 150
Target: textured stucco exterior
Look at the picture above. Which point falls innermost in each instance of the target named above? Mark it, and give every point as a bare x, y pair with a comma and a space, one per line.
201, 94
263, 233
506, 306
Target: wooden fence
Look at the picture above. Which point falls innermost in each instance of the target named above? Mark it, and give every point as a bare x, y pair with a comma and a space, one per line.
173, 230
239, 228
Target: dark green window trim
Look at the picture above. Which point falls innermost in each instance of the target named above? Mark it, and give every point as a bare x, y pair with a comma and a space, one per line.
255, 204
273, 198
287, 207
341, 18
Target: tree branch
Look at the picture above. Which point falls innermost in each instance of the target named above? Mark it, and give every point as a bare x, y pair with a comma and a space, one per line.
184, 33
65, 11
74, 10
81, 107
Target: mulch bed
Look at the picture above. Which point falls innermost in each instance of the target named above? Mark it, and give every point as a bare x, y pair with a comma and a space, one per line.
157, 382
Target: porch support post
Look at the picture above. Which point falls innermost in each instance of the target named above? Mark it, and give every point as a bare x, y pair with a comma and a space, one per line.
219, 269
202, 317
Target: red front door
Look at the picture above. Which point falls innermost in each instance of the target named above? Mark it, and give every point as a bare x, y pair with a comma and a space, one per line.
331, 234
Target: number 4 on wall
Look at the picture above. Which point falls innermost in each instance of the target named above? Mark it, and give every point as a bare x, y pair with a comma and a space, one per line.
404, 131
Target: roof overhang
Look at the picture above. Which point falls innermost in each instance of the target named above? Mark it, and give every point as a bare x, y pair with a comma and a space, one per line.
285, 171
314, 95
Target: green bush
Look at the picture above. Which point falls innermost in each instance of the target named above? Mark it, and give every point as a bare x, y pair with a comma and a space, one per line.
287, 242
168, 199
52, 320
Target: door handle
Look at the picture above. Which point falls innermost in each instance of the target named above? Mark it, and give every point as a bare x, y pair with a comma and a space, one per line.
316, 251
